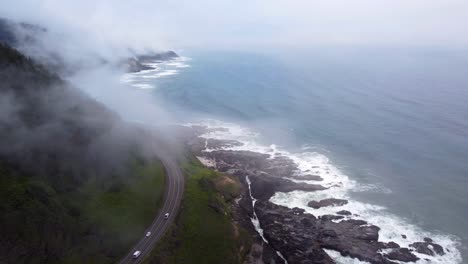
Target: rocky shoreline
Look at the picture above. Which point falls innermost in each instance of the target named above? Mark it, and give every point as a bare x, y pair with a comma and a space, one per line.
300, 237
139, 63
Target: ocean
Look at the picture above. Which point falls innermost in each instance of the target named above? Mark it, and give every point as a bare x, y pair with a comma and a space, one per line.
389, 125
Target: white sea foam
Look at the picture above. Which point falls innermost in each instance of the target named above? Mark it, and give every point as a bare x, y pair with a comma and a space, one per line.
142, 86
339, 186
158, 69
167, 72
336, 256
178, 64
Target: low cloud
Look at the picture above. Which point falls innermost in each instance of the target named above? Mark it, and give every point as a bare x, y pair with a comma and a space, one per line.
111, 27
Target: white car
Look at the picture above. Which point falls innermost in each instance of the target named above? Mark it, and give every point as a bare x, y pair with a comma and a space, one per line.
136, 254
166, 216
148, 234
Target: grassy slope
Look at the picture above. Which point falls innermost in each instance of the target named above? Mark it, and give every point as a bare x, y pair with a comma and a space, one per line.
92, 225
204, 231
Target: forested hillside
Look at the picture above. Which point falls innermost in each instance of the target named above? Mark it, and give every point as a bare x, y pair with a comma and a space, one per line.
75, 185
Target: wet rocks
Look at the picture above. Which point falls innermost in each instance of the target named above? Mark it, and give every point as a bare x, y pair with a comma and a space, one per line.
285, 232
428, 248
327, 202
390, 244
301, 237
267, 175
331, 217
308, 177
264, 187
369, 232
402, 254
343, 212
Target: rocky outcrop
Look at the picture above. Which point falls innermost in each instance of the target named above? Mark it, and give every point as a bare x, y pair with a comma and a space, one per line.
299, 236
343, 212
308, 177
138, 62
264, 186
327, 202
157, 56
428, 247
133, 65
401, 254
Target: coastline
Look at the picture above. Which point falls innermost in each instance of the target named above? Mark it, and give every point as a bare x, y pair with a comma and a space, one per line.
313, 178
278, 179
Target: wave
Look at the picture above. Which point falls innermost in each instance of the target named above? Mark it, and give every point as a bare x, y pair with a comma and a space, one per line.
158, 69
392, 227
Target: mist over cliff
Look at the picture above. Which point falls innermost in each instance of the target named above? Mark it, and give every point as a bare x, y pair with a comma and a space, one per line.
63, 152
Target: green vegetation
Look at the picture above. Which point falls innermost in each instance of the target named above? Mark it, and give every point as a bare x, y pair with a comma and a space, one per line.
204, 231
91, 225
77, 184
121, 214
134, 203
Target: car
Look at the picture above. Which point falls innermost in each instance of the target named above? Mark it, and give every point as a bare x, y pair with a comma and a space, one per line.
148, 234
166, 216
136, 254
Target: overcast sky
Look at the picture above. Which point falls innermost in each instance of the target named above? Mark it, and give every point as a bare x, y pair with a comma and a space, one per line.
250, 23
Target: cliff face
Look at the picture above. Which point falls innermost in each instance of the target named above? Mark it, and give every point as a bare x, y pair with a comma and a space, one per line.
68, 166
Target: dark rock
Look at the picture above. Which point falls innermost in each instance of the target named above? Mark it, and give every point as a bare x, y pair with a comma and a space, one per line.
330, 217
438, 248
308, 177
356, 222
428, 240
329, 233
403, 236
299, 236
219, 144
370, 233
133, 65
137, 63
307, 222
402, 254
343, 212
390, 244
327, 202
298, 211
422, 247
264, 187
428, 247
158, 56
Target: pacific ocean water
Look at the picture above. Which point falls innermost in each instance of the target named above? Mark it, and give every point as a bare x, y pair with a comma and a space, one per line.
393, 120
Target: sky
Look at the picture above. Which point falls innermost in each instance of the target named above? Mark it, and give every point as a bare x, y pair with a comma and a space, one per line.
249, 23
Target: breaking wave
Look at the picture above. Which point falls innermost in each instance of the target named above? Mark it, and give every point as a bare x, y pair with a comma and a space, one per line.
392, 227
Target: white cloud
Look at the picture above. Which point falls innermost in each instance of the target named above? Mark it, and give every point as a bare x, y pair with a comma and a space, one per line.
243, 23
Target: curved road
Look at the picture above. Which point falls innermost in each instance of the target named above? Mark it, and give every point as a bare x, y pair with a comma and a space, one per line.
172, 198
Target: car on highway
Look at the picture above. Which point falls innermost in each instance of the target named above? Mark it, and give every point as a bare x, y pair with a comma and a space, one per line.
166, 216
148, 234
136, 254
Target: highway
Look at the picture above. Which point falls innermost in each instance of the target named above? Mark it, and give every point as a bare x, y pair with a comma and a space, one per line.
172, 198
